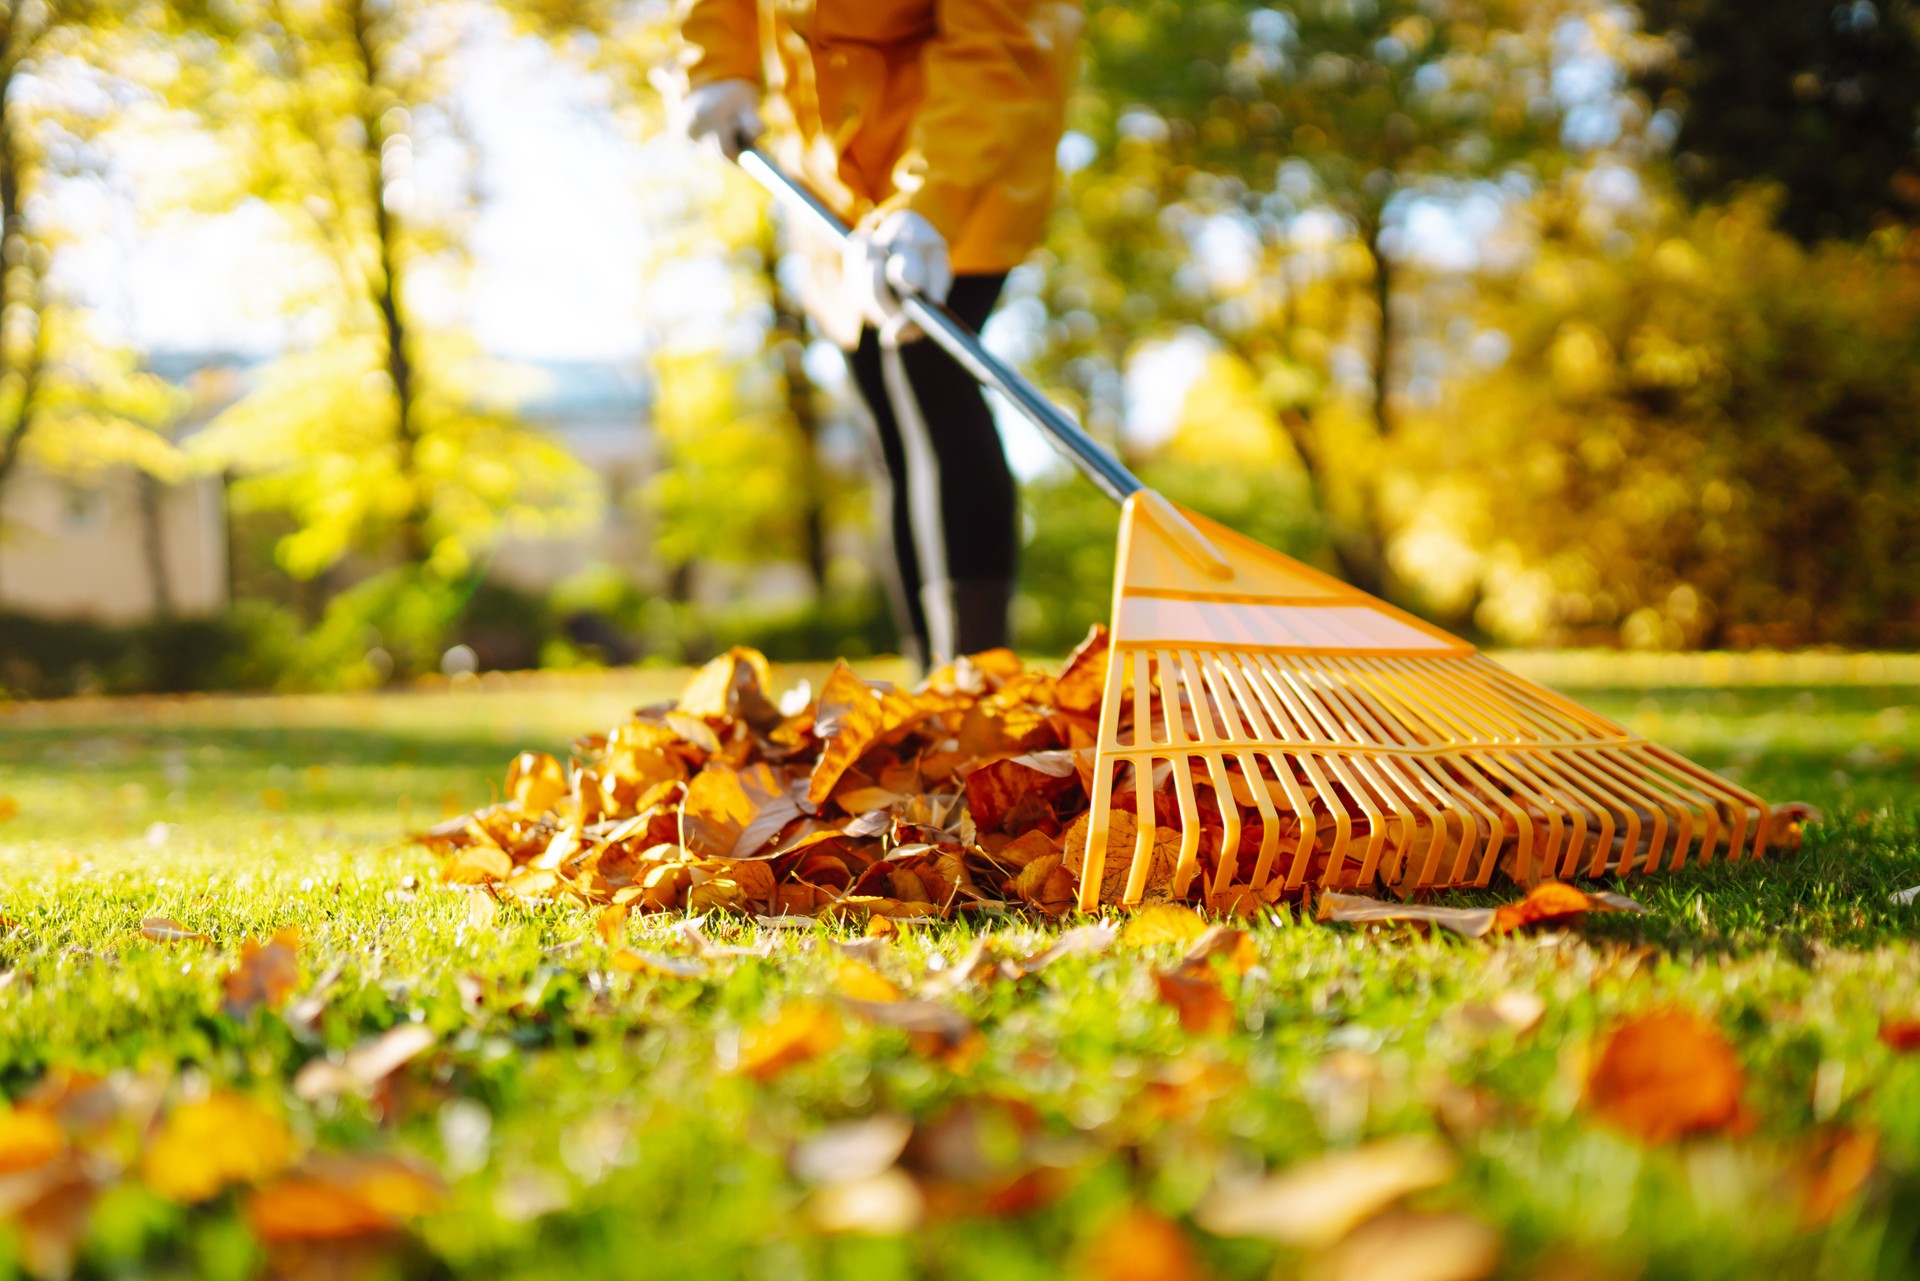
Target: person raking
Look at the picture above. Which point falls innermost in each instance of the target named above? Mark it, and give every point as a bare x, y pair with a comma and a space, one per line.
930, 126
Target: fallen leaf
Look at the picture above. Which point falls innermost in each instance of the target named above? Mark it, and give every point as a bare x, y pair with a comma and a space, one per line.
1548, 901
266, 974
1902, 1036
164, 929
9, 808
801, 1030
852, 1150
204, 1147
1089, 939
1235, 945
1402, 1246
731, 813
477, 865
1197, 996
1162, 923
611, 923
885, 1204
29, 1138
1665, 1075
661, 966
859, 981
1836, 1166
482, 909
1315, 1203
1138, 1244
1518, 1012
935, 1029
340, 1198
850, 717
366, 1065
536, 781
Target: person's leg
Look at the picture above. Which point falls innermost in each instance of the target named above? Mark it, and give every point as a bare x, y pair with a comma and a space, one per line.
953, 502
903, 572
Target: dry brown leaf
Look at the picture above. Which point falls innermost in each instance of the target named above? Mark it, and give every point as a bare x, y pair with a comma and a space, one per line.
852, 1150
1083, 681
934, 1029
1315, 1203
1081, 938
164, 929
204, 1147
1402, 1246
732, 814
732, 685
1518, 1012
1665, 1075
611, 923
802, 1030
265, 975
1548, 901
1234, 945
1162, 923
367, 1065
850, 717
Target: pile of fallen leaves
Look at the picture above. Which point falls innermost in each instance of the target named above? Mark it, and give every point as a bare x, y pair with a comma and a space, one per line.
969, 793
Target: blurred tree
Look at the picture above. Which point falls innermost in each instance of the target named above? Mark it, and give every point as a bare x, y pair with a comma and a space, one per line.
1703, 434
68, 402
1250, 168
384, 433
1823, 99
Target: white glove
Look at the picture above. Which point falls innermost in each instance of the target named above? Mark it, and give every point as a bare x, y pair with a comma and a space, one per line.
903, 254
725, 114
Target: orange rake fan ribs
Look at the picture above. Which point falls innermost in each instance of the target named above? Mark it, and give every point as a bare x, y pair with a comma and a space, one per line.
1344, 740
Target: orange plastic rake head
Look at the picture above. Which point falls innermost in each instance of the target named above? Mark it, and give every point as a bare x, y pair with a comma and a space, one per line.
1279, 728
1266, 725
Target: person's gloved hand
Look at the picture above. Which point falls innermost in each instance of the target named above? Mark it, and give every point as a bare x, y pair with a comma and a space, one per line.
900, 254
725, 113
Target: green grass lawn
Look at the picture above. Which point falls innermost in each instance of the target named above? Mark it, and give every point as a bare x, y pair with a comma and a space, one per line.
588, 1121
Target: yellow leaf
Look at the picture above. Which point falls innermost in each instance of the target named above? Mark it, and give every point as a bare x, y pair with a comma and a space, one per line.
164, 929
800, 1031
28, 1138
611, 923
205, 1147
478, 865
340, 1198
537, 781
1163, 923
9, 808
862, 982
673, 967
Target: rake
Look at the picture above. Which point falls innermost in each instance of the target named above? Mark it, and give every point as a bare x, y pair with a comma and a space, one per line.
1314, 735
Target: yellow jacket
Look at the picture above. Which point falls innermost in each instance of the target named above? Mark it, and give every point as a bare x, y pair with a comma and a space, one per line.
951, 108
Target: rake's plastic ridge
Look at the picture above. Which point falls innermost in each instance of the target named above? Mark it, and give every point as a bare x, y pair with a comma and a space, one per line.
1315, 735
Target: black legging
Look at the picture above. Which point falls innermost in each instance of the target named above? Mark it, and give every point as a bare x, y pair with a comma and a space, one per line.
976, 512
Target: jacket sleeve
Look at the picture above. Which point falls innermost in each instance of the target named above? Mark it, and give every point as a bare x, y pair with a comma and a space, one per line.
720, 40
994, 84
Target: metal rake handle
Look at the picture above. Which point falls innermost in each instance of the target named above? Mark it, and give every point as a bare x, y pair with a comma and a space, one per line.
939, 323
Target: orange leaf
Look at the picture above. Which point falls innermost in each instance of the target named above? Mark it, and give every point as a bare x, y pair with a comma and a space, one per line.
1203, 1007
1665, 1075
733, 685
1556, 900
673, 967
800, 1031
1837, 1166
851, 717
1315, 1203
29, 1138
611, 923
477, 865
266, 974
1139, 1245
1083, 681
340, 1198
732, 813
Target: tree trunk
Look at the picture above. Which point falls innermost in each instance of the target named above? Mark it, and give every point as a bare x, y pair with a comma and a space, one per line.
20, 293
789, 339
386, 287
153, 545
